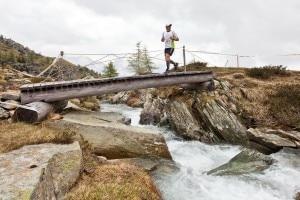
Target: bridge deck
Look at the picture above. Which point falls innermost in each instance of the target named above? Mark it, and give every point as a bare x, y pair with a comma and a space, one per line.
62, 90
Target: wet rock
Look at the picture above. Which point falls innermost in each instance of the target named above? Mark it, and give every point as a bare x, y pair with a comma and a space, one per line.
44, 171
261, 148
248, 161
221, 121
185, 123
127, 121
270, 139
152, 112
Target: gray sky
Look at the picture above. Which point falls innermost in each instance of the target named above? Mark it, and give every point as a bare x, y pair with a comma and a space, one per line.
260, 28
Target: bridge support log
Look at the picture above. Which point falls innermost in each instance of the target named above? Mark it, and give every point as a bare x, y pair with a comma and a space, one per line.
37, 111
204, 86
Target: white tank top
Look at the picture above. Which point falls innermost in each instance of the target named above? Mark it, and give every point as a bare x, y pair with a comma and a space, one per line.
168, 42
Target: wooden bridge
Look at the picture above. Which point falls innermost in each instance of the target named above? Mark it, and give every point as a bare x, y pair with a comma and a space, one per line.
63, 90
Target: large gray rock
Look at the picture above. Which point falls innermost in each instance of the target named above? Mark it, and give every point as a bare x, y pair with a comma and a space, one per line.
44, 171
152, 112
113, 139
186, 124
248, 161
221, 121
273, 139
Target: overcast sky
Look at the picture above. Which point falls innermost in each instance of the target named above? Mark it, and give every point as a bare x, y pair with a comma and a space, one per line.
265, 29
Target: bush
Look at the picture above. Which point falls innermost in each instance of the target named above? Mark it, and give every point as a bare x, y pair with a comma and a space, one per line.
196, 66
266, 72
285, 105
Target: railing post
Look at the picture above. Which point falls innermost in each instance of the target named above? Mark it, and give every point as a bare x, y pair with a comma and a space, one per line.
237, 60
184, 58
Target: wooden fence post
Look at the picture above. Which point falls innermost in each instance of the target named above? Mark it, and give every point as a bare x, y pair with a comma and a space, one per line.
184, 58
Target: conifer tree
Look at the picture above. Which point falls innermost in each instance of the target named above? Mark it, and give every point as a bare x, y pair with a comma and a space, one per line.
146, 61
110, 70
140, 62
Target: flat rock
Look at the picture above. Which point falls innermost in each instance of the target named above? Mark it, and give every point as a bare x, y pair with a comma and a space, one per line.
43, 171
269, 139
111, 138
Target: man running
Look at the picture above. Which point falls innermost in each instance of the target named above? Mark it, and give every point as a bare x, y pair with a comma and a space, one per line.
169, 37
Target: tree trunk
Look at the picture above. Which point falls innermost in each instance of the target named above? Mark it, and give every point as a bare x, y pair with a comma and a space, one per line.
36, 111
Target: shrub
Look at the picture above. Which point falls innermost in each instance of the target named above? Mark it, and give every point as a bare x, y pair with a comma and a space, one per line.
238, 76
266, 72
196, 66
285, 105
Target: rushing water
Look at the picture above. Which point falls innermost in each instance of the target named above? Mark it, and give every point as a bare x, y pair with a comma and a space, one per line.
279, 182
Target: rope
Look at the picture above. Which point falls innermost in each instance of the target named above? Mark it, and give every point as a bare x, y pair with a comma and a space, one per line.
193, 53
53, 63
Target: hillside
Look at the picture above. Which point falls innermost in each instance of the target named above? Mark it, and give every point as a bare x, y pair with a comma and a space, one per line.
268, 95
16, 56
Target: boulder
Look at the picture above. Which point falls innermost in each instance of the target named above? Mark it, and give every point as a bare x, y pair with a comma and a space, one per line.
271, 139
44, 171
152, 112
248, 161
221, 121
112, 139
184, 122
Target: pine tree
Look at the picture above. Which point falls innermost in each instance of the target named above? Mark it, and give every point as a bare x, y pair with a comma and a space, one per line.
146, 61
135, 61
110, 70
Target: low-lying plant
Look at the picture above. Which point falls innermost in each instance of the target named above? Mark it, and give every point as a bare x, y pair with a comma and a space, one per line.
285, 105
266, 72
16, 135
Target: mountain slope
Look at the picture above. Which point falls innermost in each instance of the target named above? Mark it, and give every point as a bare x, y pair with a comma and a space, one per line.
15, 55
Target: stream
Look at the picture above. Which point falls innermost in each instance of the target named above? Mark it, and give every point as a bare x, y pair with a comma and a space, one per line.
281, 181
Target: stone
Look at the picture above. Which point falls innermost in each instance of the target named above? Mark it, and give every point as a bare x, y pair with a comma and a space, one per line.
270, 140
247, 161
152, 112
3, 114
261, 148
111, 139
43, 171
221, 121
11, 95
183, 121
10, 104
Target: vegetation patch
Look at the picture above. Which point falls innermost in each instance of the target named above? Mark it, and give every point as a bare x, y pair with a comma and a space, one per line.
285, 105
267, 72
16, 135
115, 181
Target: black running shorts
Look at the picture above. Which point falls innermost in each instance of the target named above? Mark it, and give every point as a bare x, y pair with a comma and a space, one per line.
169, 51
